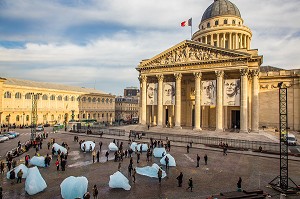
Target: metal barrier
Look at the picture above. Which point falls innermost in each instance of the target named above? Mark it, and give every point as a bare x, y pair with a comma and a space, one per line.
211, 141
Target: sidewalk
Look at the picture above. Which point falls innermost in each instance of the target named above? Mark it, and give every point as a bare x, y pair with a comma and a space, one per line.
261, 136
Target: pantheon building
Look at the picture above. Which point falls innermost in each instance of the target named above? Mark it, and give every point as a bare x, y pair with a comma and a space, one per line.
215, 81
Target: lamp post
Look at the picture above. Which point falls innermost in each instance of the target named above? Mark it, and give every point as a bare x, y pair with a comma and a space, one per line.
8, 117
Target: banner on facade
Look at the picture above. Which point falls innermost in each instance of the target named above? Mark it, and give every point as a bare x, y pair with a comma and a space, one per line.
208, 93
232, 92
152, 94
169, 93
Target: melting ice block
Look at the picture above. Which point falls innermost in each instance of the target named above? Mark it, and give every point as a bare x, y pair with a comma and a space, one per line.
112, 147
150, 171
158, 152
17, 169
34, 182
172, 162
118, 180
73, 187
88, 144
135, 146
37, 161
61, 148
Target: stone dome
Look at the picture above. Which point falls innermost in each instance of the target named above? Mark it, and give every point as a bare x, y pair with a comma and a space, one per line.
220, 8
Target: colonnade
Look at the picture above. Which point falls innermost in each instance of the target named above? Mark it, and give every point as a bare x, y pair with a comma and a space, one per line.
244, 108
234, 40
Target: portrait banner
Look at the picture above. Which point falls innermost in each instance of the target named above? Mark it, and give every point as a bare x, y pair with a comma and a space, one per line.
208, 97
169, 93
152, 94
232, 92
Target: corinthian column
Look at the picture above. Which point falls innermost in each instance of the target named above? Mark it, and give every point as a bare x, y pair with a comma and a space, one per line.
198, 76
178, 77
255, 101
160, 79
144, 99
244, 95
219, 107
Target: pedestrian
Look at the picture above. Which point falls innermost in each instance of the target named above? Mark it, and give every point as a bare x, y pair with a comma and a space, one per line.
159, 175
91, 148
119, 166
19, 175
48, 144
95, 192
133, 175
8, 165
129, 169
106, 155
98, 155
205, 159
1, 192
12, 176
63, 163
94, 155
180, 178
198, 160
27, 157
167, 162
84, 147
57, 164
87, 195
100, 144
187, 148
190, 183
224, 150
138, 155
239, 185
2, 165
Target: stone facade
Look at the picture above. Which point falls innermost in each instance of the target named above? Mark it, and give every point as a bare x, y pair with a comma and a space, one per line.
126, 108
55, 104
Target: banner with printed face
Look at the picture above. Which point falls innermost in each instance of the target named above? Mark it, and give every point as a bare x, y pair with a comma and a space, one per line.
231, 93
152, 94
169, 93
208, 88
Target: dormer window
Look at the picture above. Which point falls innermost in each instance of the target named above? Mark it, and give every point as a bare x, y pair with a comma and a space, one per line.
208, 25
225, 21
233, 21
216, 23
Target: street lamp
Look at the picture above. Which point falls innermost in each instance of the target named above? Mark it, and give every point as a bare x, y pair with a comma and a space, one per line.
8, 117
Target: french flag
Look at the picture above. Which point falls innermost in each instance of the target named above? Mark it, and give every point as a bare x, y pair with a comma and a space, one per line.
186, 23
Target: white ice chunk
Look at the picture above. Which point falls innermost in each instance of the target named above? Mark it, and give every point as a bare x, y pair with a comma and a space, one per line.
61, 148
34, 182
172, 162
112, 147
135, 146
37, 161
158, 152
17, 169
118, 180
88, 144
73, 187
150, 171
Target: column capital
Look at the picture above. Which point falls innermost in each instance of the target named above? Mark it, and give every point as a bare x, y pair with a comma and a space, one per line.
178, 76
255, 72
197, 75
219, 73
143, 78
160, 77
244, 71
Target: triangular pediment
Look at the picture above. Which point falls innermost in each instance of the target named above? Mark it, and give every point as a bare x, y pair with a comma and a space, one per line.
191, 52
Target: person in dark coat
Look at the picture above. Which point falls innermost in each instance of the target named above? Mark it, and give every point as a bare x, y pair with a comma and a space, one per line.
205, 159
12, 176
239, 184
198, 160
190, 184
98, 155
180, 178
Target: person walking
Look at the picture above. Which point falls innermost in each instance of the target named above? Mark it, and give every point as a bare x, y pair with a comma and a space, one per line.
2, 166
119, 166
12, 176
187, 148
205, 159
57, 165
138, 155
239, 185
133, 175
19, 175
106, 155
198, 160
129, 169
159, 175
98, 156
94, 155
167, 162
100, 144
180, 178
95, 192
190, 183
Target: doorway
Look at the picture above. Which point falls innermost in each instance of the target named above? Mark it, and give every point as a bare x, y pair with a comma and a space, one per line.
235, 119
167, 118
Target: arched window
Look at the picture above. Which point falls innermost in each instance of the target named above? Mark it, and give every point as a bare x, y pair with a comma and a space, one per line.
216, 22
208, 25
45, 97
110, 115
7, 94
89, 99
202, 27
27, 96
83, 115
225, 21
66, 98
72, 98
17, 118
110, 100
233, 21
98, 99
102, 114
102, 100
78, 99
18, 95
98, 115
94, 116
27, 118
106, 100
94, 99
36, 97
84, 99
52, 97
52, 117
239, 23
59, 98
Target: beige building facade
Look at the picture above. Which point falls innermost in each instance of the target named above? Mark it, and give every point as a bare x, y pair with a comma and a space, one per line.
127, 108
56, 104
214, 81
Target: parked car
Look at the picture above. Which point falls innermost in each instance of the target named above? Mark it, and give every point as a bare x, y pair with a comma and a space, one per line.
291, 139
16, 134
46, 125
3, 138
9, 136
39, 128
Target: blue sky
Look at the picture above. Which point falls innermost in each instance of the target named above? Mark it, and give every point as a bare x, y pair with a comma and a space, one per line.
99, 43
